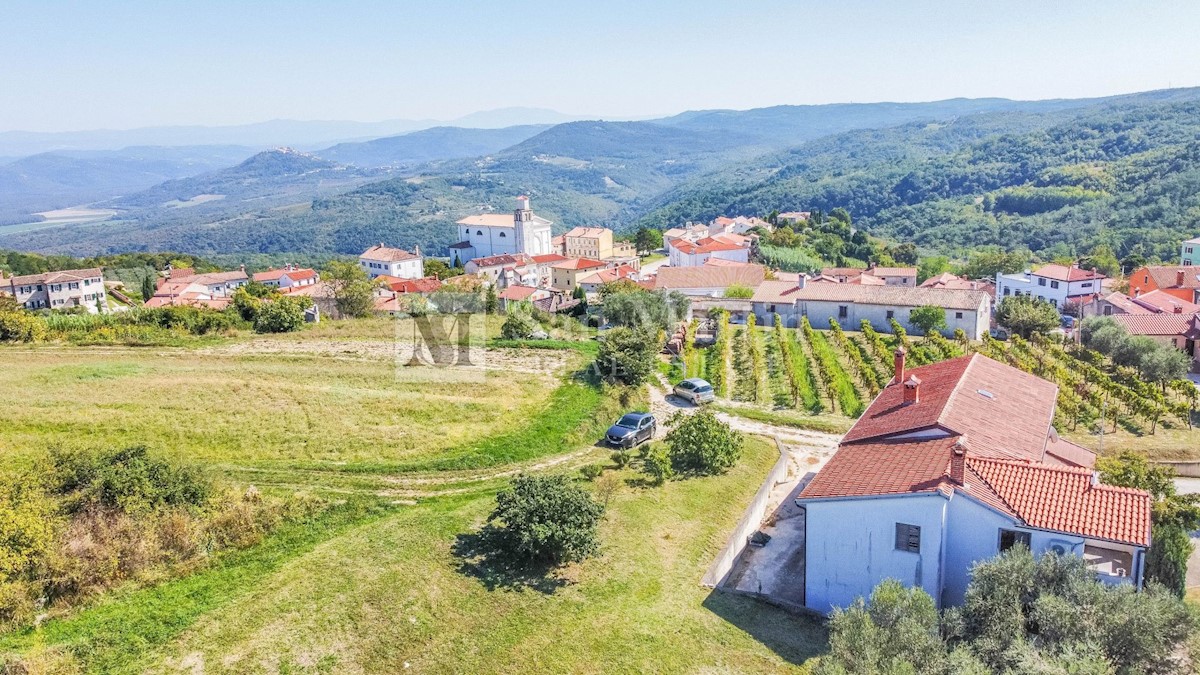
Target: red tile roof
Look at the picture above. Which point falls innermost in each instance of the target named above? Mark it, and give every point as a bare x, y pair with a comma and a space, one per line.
577, 264
63, 276
517, 293
549, 258
1066, 499
1168, 277
1162, 301
705, 245
293, 274
704, 276
1187, 325
1064, 273
1006, 412
1058, 498
422, 285
388, 254
502, 259
608, 275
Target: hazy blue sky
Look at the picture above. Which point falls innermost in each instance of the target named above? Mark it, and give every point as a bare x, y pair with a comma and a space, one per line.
128, 63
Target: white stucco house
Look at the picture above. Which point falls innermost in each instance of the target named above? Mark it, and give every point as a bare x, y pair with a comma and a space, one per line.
685, 253
710, 281
490, 234
850, 303
381, 260
288, 277
951, 464
1056, 284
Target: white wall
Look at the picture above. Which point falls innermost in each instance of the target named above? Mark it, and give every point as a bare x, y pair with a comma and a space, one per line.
1041, 287
973, 323
404, 269
850, 547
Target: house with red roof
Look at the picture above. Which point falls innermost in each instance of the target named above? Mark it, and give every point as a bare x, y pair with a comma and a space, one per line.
381, 260
686, 253
1182, 282
1056, 284
287, 278
952, 464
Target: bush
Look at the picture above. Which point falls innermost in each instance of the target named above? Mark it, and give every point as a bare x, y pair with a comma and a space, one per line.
545, 519
283, 315
1026, 315
702, 444
627, 355
930, 319
656, 464
591, 471
519, 323
128, 478
20, 326
620, 458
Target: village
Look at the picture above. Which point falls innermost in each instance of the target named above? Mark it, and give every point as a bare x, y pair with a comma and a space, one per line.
918, 431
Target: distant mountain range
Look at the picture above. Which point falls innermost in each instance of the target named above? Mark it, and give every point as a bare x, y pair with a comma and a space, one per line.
908, 170
307, 135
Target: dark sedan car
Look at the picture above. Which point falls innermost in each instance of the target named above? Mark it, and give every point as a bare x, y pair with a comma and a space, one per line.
631, 429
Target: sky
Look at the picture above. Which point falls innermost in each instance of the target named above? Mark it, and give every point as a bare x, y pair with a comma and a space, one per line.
90, 64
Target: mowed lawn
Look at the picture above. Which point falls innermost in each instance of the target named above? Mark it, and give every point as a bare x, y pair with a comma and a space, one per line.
390, 595
255, 409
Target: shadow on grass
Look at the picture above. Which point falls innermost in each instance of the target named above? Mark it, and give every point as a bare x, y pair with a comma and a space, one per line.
796, 638
480, 556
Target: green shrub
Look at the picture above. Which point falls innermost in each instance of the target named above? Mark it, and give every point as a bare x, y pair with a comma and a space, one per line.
283, 315
545, 519
702, 444
656, 464
127, 478
620, 458
591, 471
627, 355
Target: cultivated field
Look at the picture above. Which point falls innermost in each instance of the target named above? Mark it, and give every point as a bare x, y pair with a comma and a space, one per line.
382, 579
824, 377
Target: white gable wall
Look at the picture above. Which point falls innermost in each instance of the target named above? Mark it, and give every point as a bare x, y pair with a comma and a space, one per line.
850, 547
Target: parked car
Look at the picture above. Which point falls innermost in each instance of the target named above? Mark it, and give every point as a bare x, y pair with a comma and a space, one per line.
631, 429
695, 390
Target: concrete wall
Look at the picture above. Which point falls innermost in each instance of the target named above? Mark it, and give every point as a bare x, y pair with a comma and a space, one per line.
851, 547
974, 530
751, 520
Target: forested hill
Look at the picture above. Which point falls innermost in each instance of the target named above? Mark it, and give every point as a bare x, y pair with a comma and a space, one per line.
1055, 176
1057, 183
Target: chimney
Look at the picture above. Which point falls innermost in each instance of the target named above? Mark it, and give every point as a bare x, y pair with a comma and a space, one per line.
1095, 480
242, 268
912, 390
899, 361
801, 280
1179, 278
1178, 309
417, 250
1137, 292
958, 460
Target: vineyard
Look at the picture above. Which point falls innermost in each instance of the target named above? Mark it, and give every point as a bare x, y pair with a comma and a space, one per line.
838, 370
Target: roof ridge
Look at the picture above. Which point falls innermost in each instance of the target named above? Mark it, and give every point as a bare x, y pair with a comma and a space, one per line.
1075, 470
967, 465
954, 392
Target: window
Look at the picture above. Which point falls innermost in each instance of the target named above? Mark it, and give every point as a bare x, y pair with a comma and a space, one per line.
908, 538
1008, 291
843, 311
479, 233
958, 315
502, 235
1010, 538
1108, 310
1086, 284
891, 314
1041, 281
1146, 279
1053, 284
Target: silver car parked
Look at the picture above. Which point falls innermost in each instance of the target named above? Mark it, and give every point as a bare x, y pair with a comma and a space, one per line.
695, 390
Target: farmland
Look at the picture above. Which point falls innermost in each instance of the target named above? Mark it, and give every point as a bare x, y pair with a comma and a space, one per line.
833, 371
409, 466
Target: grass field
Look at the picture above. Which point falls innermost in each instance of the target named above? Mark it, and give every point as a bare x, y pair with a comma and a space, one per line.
387, 593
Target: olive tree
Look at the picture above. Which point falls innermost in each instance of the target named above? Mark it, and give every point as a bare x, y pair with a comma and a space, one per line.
702, 444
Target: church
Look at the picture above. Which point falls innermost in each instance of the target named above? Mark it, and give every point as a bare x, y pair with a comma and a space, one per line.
490, 234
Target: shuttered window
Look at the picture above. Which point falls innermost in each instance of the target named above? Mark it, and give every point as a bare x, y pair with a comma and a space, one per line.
908, 538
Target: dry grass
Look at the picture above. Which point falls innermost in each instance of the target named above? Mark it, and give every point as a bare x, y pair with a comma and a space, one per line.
255, 409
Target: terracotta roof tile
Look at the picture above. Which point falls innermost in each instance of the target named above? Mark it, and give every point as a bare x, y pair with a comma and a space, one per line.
577, 264
1168, 276
1006, 413
707, 276
1065, 273
388, 254
1065, 499
1186, 325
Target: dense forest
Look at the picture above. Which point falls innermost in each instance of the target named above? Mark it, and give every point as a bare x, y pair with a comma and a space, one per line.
1125, 176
